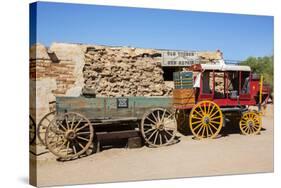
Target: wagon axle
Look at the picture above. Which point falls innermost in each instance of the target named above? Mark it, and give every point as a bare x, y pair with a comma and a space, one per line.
70, 135
160, 126
206, 120
251, 123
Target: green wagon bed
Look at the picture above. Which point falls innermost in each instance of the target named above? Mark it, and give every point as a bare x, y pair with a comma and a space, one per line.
109, 108
80, 122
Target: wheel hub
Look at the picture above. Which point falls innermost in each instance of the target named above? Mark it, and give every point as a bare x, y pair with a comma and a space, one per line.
206, 120
70, 135
160, 126
251, 123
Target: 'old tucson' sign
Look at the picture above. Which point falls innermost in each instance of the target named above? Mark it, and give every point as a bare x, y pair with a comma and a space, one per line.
179, 58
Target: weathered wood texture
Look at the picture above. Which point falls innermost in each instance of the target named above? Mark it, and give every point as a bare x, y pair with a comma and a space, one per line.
183, 97
117, 134
103, 107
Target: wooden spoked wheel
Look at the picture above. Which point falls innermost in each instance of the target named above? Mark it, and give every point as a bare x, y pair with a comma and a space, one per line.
32, 130
158, 127
205, 120
250, 123
42, 126
181, 119
69, 136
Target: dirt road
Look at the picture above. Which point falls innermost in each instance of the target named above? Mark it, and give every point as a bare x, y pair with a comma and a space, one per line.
230, 154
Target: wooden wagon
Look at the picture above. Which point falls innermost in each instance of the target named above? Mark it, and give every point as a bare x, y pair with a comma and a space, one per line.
80, 122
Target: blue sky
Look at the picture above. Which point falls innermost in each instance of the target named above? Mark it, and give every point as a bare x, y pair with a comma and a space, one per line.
238, 36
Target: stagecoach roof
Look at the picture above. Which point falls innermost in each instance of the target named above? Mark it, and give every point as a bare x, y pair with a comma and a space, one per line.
224, 67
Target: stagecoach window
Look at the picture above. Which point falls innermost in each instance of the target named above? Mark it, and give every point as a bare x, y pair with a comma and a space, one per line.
219, 85
233, 84
207, 83
245, 82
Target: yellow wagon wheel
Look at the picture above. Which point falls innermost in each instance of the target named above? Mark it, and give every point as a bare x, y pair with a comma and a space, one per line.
250, 123
205, 120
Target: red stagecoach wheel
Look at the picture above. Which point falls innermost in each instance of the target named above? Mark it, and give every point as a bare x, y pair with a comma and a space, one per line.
205, 120
158, 127
69, 136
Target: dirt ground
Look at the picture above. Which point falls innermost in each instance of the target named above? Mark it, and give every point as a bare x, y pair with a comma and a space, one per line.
232, 153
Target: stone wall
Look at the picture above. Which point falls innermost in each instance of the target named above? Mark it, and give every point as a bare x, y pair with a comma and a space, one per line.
124, 72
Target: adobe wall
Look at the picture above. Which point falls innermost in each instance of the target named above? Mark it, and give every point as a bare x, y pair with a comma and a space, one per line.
51, 77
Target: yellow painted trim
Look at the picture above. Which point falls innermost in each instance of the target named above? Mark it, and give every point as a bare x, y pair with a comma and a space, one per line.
261, 83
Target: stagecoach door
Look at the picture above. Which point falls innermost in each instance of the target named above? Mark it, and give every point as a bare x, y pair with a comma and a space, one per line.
232, 85
244, 85
207, 85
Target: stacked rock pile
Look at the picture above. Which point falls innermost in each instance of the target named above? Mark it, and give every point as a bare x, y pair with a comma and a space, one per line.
124, 71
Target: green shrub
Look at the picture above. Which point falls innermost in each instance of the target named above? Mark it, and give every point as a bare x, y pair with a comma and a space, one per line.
261, 65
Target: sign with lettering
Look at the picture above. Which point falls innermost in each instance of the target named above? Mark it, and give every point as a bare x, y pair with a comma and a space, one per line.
122, 102
179, 58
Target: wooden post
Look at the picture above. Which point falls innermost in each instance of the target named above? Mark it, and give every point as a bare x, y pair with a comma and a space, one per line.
260, 96
213, 92
226, 84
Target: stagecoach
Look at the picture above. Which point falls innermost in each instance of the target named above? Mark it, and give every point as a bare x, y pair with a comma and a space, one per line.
204, 98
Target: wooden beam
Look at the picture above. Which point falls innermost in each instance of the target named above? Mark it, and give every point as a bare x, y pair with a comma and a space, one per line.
117, 134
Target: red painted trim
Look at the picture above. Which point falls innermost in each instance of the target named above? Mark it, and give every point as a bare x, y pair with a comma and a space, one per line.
213, 92
201, 84
204, 96
224, 81
239, 82
226, 84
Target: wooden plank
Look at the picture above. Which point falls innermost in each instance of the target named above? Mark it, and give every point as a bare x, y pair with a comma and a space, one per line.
183, 93
119, 120
184, 101
183, 106
94, 108
183, 97
117, 134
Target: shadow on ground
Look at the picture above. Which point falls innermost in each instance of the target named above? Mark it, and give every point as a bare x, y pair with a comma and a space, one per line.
230, 128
